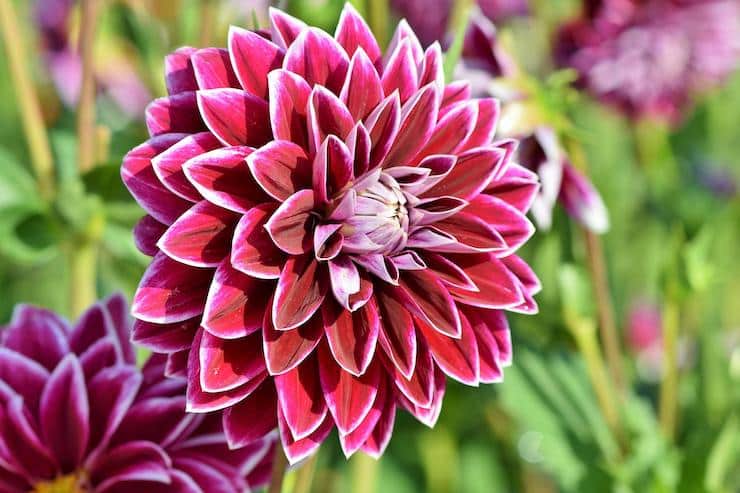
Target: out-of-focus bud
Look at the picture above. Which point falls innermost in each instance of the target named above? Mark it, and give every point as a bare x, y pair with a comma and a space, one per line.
582, 201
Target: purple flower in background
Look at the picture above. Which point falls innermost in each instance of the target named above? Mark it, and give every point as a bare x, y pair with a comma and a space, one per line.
648, 57
430, 18
116, 77
333, 233
78, 416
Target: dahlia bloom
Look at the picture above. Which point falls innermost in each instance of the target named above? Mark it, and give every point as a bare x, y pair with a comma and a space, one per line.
78, 416
333, 233
647, 58
430, 19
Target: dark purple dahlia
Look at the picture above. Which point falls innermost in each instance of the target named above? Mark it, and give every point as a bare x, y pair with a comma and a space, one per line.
78, 416
648, 57
333, 233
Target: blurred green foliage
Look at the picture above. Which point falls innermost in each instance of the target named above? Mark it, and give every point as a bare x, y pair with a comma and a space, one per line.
672, 239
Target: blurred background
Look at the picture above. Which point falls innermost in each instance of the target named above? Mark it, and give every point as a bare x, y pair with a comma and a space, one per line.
628, 379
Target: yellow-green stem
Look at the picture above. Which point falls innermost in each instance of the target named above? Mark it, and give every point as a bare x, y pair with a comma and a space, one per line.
83, 293
378, 16
86, 109
458, 25
279, 466
304, 475
668, 404
364, 473
28, 103
605, 309
206, 22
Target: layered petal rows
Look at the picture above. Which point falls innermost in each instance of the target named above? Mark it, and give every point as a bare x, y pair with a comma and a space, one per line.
332, 230
77, 415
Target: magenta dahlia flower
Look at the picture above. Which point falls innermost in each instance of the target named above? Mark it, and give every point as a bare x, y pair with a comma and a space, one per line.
333, 233
78, 416
647, 57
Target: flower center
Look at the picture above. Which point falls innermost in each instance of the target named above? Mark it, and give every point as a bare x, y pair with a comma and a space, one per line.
380, 223
71, 483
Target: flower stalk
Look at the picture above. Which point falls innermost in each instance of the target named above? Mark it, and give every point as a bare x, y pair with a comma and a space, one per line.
378, 15
364, 473
29, 107
668, 403
458, 24
86, 110
83, 259
279, 467
304, 476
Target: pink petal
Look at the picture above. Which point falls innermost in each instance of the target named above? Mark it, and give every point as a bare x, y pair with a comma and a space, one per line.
327, 241
397, 336
359, 145
344, 278
213, 70
165, 338
169, 164
332, 168
473, 172
23, 375
458, 358
318, 58
170, 291
348, 397
30, 452
201, 237
300, 398
178, 68
235, 117
419, 389
291, 224
65, 413
235, 304
288, 96
147, 233
228, 364
448, 272
253, 57
432, 70
252, 250
352, 441
138, 175
491, 367
352, 336
582, 201
281, 168
354, 34
252, 418
454, 92
512, 225
222, 177
472, 233
400, 73
298, 450
300, 291
381, 435
362, 90
518, 187
499, 288
419, 116
286, 349
432, 301
484, 130
383, 125
451, 131
285, 28
174, 114
327, 115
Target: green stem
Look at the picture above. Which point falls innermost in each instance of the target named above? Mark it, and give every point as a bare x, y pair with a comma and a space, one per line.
206, 21
364, 473
605, 309
378, 16
83, 260
304, 475
29, 107
86, 109
279, 466
458, 25
668, 404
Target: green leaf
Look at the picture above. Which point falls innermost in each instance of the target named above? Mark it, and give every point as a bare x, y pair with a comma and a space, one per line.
17, 186
725, 455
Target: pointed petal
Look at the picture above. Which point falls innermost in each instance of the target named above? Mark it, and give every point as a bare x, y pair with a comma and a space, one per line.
236, 303
419, 116
327, 115
253, 418
284, 28
298, 450
179, 75
286, 349
281, 168
582, 201
451, 130
485, 125
348, 397
432, 70
498, 287
288, 96
174, 114
235, 117
401, 73
332, 168
201, 237
344, 278
147, 233
518, 187
458, 358
381, 435
473, 172
65, 413
352, 336
512, 225
252, 250
165, 338
432, 301
39, 334
397, 335
169, 164
23, 375
253, 57
354, 34
212, 69
383, 124
472, 234
318, 58
362, 90
300, 291
114, 390
448, 272
291, 224
352, 441
170, 292
300, 398
228, 364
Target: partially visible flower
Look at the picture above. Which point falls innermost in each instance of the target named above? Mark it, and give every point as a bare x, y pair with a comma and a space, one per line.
116, 75
430, 18
78, 416
648, 57
333, 232
645, 337
493, 72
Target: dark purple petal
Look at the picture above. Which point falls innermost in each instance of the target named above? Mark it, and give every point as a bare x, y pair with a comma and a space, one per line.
285, 349
397, 335
147, 233
252, 418
236, 117
228, 364
178, 69
352, 336
39, 334
300, 398
23, 375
